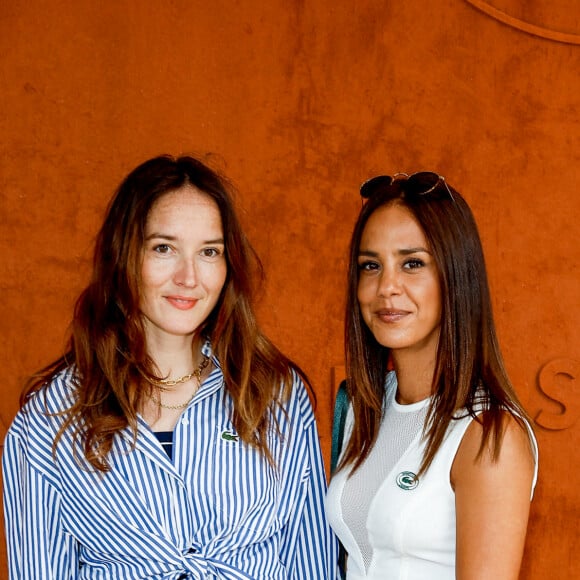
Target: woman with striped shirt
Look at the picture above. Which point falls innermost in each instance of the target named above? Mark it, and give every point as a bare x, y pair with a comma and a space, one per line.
173, 440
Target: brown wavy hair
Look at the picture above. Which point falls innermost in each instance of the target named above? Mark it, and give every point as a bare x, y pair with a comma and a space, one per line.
469, 369
107, 347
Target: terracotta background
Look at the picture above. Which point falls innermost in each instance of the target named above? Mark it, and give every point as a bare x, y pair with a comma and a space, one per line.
298, 102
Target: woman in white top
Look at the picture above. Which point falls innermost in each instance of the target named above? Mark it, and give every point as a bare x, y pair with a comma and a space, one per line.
439, 461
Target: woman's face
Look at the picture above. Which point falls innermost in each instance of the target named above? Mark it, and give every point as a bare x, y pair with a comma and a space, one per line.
184, 266
398, 290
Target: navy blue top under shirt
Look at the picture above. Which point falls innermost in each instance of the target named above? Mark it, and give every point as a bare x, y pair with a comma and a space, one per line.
166, 440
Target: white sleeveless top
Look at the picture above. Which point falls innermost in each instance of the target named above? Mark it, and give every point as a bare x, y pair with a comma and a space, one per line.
393, 527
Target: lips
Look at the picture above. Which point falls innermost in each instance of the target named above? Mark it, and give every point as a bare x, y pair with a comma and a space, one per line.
391, 314
181, 302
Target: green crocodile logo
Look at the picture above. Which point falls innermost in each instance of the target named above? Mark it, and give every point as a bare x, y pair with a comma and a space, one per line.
229, 436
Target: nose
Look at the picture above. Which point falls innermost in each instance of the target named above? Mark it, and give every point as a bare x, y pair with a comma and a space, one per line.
389, 283
186, 273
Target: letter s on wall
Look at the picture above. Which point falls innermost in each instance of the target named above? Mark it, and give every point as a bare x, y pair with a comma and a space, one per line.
559, 380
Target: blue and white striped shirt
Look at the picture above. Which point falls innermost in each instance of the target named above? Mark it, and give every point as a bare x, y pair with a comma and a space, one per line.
217, 510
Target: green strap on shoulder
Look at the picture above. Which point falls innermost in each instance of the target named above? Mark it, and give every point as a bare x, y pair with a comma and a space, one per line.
340, 411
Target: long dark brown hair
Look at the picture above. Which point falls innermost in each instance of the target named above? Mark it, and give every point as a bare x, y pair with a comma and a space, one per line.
107, 348
469, 370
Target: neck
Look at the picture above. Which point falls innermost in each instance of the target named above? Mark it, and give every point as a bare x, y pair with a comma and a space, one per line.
176, 358
414, 377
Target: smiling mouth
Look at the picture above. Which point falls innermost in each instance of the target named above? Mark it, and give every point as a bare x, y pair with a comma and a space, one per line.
388, 315
181, 303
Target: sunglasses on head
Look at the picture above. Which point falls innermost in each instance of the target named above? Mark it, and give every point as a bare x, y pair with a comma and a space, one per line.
419, 184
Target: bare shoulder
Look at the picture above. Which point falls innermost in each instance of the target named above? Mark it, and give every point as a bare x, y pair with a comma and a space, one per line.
492, 500
516, 452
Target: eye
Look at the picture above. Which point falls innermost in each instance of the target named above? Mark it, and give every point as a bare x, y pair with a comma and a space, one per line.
368, 266
212, 252
162, 248
413, 264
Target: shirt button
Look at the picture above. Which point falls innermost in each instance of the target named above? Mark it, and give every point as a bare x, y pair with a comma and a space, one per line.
185, 421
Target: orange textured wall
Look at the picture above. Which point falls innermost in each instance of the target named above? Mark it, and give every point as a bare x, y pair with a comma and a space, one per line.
299, 102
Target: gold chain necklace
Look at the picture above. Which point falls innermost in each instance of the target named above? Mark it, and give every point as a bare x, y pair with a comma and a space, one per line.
172, 382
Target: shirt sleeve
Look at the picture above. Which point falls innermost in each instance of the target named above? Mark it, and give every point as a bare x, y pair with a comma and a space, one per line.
37, 545
311, 546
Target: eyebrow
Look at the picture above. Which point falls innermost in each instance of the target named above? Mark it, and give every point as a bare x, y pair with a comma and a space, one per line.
402, 252
173, 238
